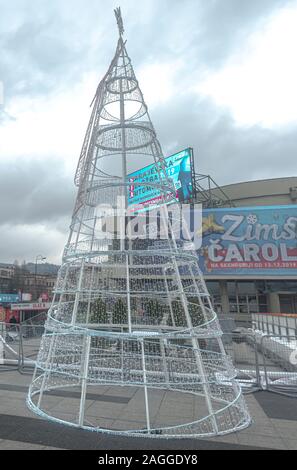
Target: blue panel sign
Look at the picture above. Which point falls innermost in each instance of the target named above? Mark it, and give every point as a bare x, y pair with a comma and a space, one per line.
178, 168
9, 298
249, 241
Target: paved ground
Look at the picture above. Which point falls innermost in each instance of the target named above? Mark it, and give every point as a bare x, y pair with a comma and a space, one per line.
274, 426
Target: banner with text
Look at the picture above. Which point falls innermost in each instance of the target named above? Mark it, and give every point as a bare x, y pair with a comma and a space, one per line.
178, 169
249, 241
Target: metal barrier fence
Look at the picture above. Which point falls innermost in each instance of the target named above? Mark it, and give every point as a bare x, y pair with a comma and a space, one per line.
9, 345
19, 344
242, 348
263, 361
29, 344
275, 324
280, 363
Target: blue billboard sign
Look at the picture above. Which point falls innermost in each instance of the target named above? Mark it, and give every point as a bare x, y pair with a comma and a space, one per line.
9, 298
178, 168
258, 241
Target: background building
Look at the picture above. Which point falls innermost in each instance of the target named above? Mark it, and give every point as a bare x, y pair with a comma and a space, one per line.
275, 191
6, 276
24, 293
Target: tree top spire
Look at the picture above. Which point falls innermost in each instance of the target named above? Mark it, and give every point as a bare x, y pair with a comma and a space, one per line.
119, 19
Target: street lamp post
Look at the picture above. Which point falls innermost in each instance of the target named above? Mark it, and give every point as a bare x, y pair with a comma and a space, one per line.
38, 258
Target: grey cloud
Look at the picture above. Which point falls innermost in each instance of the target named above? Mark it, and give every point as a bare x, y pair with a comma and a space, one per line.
35, 192
37, 60
46, 45
36, 201
225, 24
228, 152
49, 45
23, 243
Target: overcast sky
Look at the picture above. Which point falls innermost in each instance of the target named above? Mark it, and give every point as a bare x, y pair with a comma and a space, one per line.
217, 75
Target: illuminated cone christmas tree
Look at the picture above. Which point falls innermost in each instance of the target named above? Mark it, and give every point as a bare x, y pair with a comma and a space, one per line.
132, 344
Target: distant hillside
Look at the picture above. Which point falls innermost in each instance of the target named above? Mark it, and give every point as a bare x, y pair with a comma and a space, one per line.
43, 268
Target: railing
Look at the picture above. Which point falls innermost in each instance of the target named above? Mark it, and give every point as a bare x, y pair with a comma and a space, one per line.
280, 363
10, 353
265, 357
19, 344
283, 324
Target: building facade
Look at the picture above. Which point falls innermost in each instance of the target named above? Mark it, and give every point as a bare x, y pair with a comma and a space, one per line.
6, 277
16, 279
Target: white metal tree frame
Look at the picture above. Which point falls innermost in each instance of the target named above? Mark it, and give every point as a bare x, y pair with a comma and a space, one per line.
131, 320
